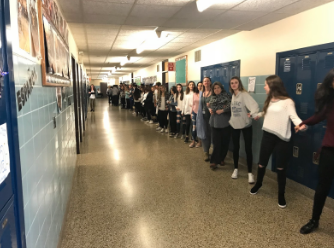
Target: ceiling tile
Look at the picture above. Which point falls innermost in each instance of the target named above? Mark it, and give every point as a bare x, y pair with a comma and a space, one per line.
226, 4
186, 40
145, 21
262, 21
190, 12
164, 2
104, 19
301, 6
222, 34
73, 17
154, 11
263, 5
114, 1
182, 23
232, 19
72, 6
106, 8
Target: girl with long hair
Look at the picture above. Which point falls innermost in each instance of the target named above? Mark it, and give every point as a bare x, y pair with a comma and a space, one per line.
137, 99
162, 100
179, 98
122, 95
203, 118
187, 110
278, 111
148, 104
127, 97
324, 103
243, 107
194, 111
172, 103
220, 110
92, 96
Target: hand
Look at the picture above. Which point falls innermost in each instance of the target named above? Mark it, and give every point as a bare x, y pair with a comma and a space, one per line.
155, 104
211, 112
249, 115
300, 128
208, 104
178, 109
220, 111
257, 118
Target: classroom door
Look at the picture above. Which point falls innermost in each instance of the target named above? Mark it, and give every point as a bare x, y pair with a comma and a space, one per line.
301, 74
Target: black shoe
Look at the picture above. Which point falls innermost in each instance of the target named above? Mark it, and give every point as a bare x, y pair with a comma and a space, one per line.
281, 201
91, 110
213, 166
255, 189
309, 227
186, 140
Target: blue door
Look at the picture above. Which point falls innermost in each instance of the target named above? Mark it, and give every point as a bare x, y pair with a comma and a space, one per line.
302, 72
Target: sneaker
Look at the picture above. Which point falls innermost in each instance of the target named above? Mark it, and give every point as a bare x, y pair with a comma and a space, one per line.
151, 122
183, 136
206, 157
251, 178
255, 189
158, 128
166, 130
162, 130
199, 144
147, 121
309, 227
171, 134
157, 124
192, 145
186, 140
213, 166
235, 174
176, 136
281, 201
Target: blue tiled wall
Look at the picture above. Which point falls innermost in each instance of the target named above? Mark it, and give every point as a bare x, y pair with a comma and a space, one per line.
260, 96
47, 155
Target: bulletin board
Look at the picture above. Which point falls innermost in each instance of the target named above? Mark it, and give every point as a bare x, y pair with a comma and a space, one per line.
138, 80
181, 70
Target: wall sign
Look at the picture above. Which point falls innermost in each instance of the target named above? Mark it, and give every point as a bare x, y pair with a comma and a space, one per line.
24, 93
171, 66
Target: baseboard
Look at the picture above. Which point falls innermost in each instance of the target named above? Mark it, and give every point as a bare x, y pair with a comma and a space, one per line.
299, 188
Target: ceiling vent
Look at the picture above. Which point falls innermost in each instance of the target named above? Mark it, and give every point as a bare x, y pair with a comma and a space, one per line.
198, 55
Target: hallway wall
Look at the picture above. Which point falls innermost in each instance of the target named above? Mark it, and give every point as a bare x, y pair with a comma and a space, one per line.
47, 154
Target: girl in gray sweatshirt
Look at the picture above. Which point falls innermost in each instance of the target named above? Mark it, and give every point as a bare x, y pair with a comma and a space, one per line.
243, 107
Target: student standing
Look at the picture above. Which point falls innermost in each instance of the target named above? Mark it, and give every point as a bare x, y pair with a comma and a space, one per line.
243, 107
278, 111
179, 107
163, 98
194, 111
149, 105
115, 93
92, 96
324, 103
187, 110
203, 118
220, 110
172, 103
127, 97
122, 95
137, 100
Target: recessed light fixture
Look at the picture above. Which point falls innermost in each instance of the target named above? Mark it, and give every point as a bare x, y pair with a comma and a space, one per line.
204, 4
155, 40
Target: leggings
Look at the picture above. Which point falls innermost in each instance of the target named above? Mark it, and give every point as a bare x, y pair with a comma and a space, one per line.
137, 107
172, 122
194, 130
186, 121
326, 176
142, 110
178, 121
148, 112
92, 103
128, 104
221, 140
123, 102
162, 115
248, 135
207, 129
110, 99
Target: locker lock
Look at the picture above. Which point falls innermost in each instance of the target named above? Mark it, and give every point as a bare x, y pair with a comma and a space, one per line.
4, 223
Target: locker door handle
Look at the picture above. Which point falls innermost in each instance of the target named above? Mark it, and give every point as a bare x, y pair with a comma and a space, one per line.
4, 224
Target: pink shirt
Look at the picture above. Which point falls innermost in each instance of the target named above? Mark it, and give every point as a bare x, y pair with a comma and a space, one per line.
195, 103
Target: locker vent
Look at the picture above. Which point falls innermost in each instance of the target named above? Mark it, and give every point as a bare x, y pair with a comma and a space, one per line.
287, 66
306, 64
329, 62
233, 71
198, 55
225, 72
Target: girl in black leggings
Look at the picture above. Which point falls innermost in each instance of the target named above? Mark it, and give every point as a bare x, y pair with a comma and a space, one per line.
324, 101
278, 110
187, 109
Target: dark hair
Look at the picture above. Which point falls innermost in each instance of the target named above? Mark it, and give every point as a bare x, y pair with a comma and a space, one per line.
200, 82
173, 89
277, 90
324, 95
213, 87
177, 93
188, 89
148, 88
241, 87
158, 84
136, 94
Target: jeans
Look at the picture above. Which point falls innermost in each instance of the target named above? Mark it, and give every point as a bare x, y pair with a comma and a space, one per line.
248, 136
326, 176
194, 130
137, 107
206, 142
110, 99
221, 140
123, 102
162, 115
186, 121
92, 103
128, 103
172, 122
178, 121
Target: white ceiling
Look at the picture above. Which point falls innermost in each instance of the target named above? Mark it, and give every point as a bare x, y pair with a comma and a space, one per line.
108, 30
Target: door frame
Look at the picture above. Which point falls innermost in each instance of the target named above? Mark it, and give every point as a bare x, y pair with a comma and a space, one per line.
12, 124
75, 100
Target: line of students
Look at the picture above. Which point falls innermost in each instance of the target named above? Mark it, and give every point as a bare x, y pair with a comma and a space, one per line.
216, 116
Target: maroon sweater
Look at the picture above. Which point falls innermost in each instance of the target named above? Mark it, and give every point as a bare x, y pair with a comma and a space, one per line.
328, 114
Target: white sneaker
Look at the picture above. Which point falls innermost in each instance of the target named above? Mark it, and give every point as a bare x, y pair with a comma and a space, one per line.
151, 122
158, 128
157, 124
162, 130
251, 178
166, 130
147, 121
235, 174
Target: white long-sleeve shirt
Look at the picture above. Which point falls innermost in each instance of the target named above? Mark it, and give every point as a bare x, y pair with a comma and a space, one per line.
180, 103
278, 116
240, 105
187, 103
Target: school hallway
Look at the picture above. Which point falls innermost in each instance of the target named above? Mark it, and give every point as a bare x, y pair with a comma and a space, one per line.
135, 187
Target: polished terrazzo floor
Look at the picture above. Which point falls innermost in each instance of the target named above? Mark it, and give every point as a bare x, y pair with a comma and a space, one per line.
138, 188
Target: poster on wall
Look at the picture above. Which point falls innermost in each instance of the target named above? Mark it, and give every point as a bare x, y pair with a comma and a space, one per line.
34, 29
23, 26
4, 153
50, 45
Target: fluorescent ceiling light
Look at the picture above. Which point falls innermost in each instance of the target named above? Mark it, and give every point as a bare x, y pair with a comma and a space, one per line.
204, 4
154, 41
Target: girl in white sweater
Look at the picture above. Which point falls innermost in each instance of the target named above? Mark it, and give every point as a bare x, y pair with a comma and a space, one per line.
179, 98
243, 107
187, 109
278, 111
